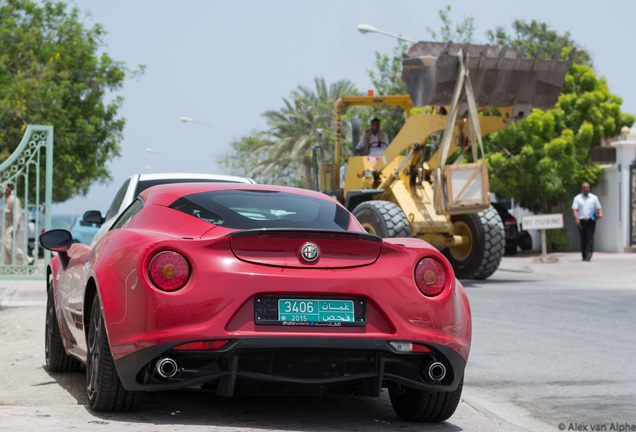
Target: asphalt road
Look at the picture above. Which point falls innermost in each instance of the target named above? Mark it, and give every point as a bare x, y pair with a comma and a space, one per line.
552, 346
556, 346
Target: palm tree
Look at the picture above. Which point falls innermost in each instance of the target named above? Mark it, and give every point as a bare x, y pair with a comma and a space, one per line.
292, 128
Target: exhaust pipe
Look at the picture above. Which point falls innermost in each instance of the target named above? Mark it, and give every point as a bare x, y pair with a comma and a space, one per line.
167, 367
436, 371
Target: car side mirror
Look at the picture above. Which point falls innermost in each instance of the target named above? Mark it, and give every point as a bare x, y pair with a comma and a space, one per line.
93, 216
57, 240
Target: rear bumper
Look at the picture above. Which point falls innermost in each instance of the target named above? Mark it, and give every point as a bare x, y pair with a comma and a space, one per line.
284, 365
511, 233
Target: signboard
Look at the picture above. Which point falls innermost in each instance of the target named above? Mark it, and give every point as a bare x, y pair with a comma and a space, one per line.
542, 222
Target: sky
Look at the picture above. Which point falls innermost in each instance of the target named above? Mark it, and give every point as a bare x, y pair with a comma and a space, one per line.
224, 63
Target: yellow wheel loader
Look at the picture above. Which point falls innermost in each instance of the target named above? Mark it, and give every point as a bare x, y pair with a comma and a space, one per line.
421, 185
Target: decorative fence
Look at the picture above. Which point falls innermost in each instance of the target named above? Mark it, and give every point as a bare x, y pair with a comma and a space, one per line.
27, 193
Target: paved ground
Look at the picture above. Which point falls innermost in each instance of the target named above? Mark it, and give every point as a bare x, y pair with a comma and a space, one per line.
553, 342
570, 264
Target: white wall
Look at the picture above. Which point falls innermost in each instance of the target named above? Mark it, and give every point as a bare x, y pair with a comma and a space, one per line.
613, 190
607, 237
612, 232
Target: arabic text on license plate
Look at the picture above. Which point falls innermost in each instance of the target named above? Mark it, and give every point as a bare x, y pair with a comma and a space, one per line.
306, 310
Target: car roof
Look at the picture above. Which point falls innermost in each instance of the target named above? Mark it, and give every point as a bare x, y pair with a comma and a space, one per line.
168, 193
217, 177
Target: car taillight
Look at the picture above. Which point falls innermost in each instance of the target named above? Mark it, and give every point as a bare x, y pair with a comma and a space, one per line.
169, 271
430, 277
203, 345
510, 221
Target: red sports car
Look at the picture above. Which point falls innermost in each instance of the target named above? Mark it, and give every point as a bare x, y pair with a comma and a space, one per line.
254, 289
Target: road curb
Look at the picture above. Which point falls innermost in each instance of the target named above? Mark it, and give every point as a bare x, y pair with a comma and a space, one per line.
517, 268
492, 416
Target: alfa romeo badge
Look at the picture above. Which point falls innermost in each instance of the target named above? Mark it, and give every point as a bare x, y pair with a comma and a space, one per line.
309, 252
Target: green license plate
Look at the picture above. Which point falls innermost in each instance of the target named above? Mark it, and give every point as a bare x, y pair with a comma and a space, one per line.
310, 311
318, 311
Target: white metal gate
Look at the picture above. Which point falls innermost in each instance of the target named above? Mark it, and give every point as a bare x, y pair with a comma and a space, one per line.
25, 212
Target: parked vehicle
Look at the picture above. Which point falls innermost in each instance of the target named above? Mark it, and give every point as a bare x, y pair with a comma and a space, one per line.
83, 232
511, 231
255, 289
137, 183
514, 236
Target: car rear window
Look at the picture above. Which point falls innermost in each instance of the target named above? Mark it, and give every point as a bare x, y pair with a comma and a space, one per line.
254, 209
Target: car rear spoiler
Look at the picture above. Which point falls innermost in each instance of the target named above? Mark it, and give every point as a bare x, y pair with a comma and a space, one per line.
307, 233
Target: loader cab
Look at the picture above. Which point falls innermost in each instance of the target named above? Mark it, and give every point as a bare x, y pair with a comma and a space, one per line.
357, 173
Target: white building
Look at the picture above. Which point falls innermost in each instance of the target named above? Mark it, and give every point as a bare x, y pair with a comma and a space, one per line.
616, 231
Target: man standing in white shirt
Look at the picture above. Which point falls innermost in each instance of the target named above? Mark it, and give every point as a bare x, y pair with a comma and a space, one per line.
586, 208
374, 138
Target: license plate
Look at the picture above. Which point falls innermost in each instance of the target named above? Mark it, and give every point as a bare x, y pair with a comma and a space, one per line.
310, 311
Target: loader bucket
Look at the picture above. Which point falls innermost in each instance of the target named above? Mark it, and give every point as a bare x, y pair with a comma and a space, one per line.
500, 77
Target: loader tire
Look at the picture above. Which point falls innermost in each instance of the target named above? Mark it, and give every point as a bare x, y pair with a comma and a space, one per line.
481, 256
382, 218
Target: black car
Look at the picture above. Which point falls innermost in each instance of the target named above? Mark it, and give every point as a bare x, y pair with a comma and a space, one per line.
514, 237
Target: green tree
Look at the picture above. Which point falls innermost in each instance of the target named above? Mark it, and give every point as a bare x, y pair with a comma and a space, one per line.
52, 72
249, 152
542, 160
287, 145
533, 36
462, 33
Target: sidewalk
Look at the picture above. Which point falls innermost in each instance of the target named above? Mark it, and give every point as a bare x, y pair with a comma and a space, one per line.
619, 267
22, 292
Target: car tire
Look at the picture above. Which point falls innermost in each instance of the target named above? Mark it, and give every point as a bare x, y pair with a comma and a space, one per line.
57, 360
511, 248
382, 218
480, 257
525, 241
424, 406
103, 386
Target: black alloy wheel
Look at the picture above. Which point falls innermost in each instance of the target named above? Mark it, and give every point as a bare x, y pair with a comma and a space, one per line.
103, 386
57, 360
